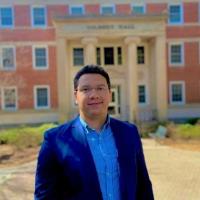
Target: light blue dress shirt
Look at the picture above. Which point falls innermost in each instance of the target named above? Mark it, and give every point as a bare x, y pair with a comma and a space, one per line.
105, 156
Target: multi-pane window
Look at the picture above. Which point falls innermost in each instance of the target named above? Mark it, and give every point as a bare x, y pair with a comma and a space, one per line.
140, 55
177, 93
107, 10
119, 55
78, 56
77, 10
175, 14
9, 98
176, 54
39, 16
7, 58
41, 57
98, 57
6, 17
42, 97
109, 55
142, 94
138, 9
114, 105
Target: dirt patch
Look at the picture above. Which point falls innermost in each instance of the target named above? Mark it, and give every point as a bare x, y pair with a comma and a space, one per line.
191, 145
10, 156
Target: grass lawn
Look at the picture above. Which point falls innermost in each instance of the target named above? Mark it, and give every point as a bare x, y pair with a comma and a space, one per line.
24, 136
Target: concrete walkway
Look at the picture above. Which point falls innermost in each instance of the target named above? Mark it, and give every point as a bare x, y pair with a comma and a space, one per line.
175, 175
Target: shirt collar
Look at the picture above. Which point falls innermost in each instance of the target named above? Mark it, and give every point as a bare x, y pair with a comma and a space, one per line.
88, 128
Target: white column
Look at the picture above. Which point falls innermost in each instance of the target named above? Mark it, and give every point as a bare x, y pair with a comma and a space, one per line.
63, 79
132, 76
161, 77
90, 49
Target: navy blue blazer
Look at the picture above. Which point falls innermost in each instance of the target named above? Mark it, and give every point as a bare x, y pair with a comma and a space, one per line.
66, 170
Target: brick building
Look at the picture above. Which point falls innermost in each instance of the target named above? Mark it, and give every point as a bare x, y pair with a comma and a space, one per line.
150, 49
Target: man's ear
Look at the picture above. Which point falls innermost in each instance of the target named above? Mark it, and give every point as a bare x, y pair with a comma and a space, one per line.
75, 96
110, 92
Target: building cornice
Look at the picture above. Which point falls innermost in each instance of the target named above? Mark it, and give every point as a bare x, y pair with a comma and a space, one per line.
117, 17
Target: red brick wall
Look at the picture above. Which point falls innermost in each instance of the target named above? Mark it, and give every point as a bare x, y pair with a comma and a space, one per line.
190, 12
31, 77
189, 73
183, 31
123, 8
53, 76
27, 35
192, 54
56, 10
22, 15
93, 9
191, 79
156, 8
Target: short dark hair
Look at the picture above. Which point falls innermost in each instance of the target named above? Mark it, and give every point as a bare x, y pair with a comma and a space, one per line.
91, 69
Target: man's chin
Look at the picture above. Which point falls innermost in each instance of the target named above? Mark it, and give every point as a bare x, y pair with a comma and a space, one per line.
96, 113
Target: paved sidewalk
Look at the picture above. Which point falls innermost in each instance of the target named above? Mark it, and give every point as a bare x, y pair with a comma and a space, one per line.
175, 175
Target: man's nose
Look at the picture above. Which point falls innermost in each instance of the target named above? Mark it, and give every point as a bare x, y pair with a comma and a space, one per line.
93, 93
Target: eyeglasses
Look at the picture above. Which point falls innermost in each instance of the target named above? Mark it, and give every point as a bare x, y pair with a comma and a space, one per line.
88, 90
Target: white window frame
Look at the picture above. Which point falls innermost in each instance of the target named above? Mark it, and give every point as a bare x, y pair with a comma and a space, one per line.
34, 47
171, 83
45, 17
3, 98
116, 104
1, 58
198, 11
181, 64
7, 26
78, 47
138, 5
181, 17
108, 5
77, 6
145, 54
115, 54
48, 96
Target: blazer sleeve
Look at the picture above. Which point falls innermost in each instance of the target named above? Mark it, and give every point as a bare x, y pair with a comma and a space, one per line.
47, 172
144, 186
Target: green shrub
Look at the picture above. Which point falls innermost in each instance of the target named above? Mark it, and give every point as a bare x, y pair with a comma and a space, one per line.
188, 131
24, 136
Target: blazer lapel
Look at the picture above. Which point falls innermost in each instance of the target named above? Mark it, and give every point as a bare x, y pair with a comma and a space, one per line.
122, 156
83, 150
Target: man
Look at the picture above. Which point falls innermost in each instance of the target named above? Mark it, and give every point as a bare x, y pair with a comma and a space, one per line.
94, 156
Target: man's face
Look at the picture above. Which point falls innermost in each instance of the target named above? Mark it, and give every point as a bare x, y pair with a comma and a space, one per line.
92, 96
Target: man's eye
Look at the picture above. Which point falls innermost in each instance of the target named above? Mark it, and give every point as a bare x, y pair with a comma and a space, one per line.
100, 88
85, 89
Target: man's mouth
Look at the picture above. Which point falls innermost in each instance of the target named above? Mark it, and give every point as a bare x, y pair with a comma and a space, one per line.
94, 103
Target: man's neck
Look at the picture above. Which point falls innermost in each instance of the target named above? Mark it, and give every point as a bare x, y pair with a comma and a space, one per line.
94, 122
